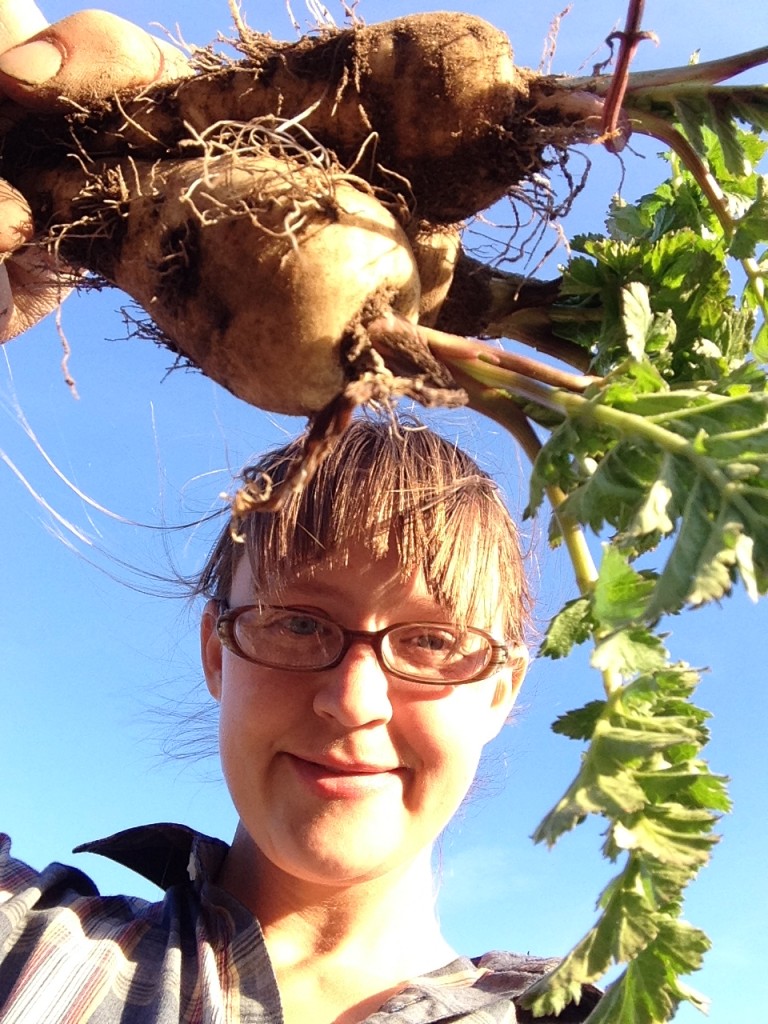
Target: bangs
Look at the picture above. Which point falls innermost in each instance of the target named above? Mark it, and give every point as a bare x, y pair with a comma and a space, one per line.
388, 485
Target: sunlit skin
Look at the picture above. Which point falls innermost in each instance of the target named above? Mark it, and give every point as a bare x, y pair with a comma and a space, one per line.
343, 779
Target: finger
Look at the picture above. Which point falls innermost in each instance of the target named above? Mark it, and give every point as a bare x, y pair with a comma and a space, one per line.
87, 56
6, 305
19, 19
16, 225
30, 288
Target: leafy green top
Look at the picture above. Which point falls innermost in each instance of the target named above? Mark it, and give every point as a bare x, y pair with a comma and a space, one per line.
664, 456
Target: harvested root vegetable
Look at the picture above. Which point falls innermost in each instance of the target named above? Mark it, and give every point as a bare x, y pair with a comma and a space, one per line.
263, 211
432, 103
436, 249
261, 267
256, 267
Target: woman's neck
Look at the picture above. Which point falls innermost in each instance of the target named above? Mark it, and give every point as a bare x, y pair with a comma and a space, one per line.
386, 921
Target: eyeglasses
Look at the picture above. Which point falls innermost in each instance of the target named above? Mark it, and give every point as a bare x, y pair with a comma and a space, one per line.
433, 653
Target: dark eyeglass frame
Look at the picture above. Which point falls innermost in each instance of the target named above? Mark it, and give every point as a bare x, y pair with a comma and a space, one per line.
225, 630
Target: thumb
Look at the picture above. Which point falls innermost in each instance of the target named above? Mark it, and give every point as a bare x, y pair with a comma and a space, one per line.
19, 19
88, 56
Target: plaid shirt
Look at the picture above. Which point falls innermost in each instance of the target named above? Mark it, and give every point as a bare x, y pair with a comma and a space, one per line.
71, 956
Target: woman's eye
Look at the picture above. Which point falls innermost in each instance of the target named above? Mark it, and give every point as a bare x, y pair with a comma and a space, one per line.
429, 641
432, 642
302, 625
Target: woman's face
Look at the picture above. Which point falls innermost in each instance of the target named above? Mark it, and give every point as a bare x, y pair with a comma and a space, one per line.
345, 774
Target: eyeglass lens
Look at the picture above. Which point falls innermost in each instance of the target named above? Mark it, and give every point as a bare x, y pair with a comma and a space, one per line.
286, 638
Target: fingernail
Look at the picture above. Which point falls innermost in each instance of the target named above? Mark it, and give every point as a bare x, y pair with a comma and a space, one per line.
32, 63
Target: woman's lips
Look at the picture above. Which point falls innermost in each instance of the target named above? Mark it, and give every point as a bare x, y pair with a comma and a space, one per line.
344, 778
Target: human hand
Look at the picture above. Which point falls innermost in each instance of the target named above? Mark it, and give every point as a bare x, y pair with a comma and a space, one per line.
85, 57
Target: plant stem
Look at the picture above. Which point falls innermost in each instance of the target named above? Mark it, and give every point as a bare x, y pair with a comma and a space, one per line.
498, 405
642, 82
614, 139
448, 347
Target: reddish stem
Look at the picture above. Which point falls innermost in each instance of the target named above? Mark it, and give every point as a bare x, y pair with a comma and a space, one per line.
614, 137
448, 347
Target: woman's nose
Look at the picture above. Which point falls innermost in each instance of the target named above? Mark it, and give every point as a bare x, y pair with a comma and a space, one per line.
356, 691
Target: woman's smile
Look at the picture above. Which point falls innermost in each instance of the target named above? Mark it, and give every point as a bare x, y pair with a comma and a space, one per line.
332, 778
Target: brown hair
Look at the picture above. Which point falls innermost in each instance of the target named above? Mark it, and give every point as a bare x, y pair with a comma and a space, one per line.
385, 482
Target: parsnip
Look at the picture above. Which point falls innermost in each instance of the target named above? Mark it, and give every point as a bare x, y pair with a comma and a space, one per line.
253, 268
431, 103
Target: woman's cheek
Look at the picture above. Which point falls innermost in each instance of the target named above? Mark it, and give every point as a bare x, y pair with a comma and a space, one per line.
449, 748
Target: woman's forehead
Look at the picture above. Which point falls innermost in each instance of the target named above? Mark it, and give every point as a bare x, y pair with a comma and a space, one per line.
354, 566
355, 573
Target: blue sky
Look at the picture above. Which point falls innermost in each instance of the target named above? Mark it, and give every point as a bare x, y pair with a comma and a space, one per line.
99, 664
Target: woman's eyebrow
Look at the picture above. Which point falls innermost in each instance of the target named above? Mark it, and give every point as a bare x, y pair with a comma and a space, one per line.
308, 592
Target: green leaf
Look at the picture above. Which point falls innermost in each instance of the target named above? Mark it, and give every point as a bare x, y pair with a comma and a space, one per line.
728, 550
601, 787
620, 595
690, 781
729, 137
750, 105
649, 991
652, 516
629, 651
691, 112
626, 221
623, 930
752, 227
637, 316
686, 558
628, 731
687, 463
570, 627
642, 773
580, 723
760, 349
670, 833
656, 946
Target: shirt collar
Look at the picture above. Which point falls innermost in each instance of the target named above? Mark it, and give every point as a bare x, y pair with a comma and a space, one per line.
165, 853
